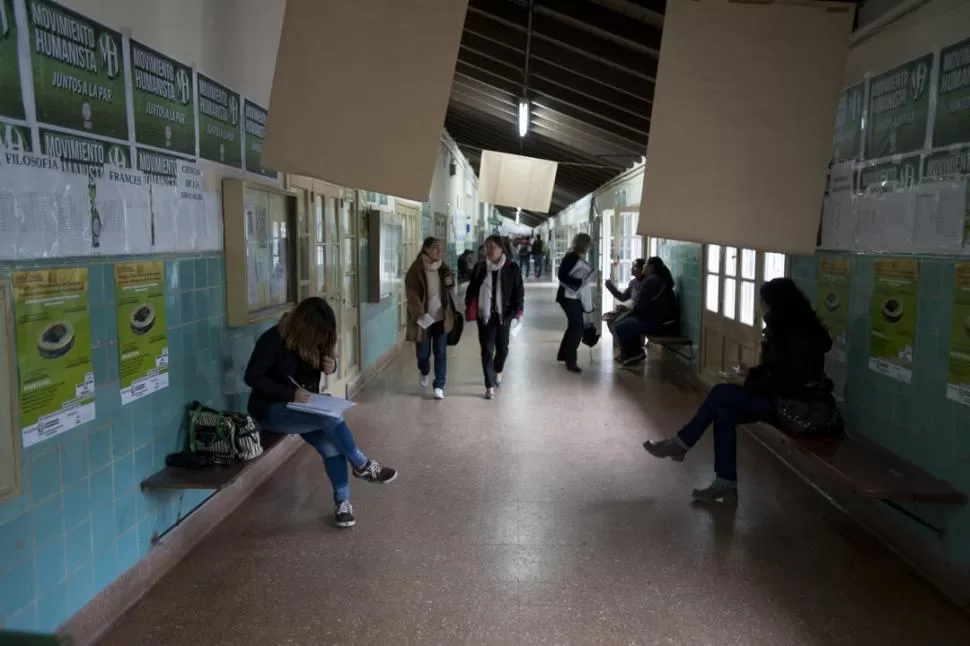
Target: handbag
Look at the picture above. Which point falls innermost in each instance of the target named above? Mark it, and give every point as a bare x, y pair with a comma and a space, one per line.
458, 326
472, 313
815, 414
226, 436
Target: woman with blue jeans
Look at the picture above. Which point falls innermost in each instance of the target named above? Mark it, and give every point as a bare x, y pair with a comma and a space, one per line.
285, 367
792, 365
430, 313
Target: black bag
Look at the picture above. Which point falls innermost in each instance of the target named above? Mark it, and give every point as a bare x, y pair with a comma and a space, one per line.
457, 328
815, 414
591, 336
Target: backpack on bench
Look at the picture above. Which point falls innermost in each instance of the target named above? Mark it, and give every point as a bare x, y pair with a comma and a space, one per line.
225, 436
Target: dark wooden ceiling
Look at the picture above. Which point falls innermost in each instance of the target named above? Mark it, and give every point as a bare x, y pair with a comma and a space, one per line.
591, 72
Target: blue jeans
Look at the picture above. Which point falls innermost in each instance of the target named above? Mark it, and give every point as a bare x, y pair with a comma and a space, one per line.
539, 262
434, 338
726, 406
330, 437
524, 264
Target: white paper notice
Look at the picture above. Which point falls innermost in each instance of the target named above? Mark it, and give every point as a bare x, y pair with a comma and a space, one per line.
886, 221
124, 210
425, 321
839, 221
940, 214
165, 206
190, 227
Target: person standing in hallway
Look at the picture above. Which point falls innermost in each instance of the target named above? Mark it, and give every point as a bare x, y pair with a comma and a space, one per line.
538, 257
430, 313
654, 312
525, 249
573, 272
497, 294
792, 367
285, 367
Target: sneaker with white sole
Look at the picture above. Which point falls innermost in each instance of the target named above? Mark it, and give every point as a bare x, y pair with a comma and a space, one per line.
373, 471
343, 515
424, 382
439, 393
498, 380
489, 393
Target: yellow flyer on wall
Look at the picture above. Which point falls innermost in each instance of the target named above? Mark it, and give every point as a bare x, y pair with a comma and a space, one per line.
53, 330
142, 331
892, 317
958, 373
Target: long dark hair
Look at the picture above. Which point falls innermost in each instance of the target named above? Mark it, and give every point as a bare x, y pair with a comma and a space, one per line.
310, 330
788, 309
660, 269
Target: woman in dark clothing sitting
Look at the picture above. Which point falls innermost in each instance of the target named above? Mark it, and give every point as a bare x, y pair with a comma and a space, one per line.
792, 365
654, 312
285, 367
573, 270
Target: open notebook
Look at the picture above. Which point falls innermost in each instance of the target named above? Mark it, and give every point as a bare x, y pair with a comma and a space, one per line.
324, 405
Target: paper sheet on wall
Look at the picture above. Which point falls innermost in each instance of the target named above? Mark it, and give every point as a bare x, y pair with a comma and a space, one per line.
190, 226
165, 207
940, 217
885, 221
839, 221
124, 209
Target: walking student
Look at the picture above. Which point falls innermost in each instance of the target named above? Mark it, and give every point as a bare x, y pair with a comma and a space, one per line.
430, 313
285, 367
497, 297
525, 249
538, 257
573, 273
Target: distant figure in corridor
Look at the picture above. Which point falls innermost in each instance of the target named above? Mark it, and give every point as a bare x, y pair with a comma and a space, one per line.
430, 313
525, 252
573, 270
654, 312
285, 367
792, 366
538, 257
497, 295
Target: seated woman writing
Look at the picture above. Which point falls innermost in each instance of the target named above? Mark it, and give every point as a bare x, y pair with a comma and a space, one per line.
654, 312
792, 368
285, 367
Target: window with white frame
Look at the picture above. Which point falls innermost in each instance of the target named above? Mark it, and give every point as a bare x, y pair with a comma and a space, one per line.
733, 277
630, 246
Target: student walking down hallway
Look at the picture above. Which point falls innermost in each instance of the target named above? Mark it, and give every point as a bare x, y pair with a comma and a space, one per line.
496, 298
430, 313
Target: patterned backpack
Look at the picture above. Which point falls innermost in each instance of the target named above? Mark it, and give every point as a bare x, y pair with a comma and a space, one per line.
225, 436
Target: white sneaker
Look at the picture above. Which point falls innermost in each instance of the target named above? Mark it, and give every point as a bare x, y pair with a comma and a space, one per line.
498, 379
439, 393
424, 382
489, 393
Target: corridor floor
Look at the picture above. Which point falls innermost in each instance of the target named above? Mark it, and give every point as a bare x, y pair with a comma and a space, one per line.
536, 518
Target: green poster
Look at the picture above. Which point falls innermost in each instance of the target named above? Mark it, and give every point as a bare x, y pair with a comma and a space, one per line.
255, 130
953, 96
890, 176
162, 94
78, 69
833, 302
142, 337
958, 379
899, 106
219, 130
14, 137
892, 317
11, 97
53, 331
83, 155
847, 140
160, 168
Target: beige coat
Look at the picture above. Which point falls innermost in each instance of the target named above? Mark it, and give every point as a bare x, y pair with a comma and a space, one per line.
416, 292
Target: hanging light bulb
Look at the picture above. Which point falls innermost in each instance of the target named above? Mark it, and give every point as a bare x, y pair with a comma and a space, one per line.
518, 213
523, 116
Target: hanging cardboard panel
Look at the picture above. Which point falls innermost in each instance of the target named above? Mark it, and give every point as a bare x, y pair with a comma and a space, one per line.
517, 181
742, 122
360, 92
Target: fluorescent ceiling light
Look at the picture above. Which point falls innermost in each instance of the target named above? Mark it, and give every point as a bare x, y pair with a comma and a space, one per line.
523, 117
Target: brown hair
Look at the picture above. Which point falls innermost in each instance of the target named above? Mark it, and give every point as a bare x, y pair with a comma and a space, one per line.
310, 330
581, 243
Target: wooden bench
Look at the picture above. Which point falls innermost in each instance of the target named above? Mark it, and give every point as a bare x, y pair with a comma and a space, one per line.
682, 346
215, 477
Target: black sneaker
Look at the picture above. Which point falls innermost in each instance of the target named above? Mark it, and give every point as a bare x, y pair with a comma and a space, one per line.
344, 515
575, 369
635, 360
374, 472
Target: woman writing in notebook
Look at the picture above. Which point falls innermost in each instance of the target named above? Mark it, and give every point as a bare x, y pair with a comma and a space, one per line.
285, 367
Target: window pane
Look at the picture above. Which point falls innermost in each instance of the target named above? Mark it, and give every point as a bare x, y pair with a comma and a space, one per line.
712, 293
653, 246
747, 303
730, 296
321, 270
731, 261
749, 263
714, 259
774, 266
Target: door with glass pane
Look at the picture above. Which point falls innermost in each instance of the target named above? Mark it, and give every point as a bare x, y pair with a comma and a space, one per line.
348, 233
731, 322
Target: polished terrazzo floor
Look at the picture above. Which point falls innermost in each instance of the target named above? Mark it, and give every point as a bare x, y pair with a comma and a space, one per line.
537, 518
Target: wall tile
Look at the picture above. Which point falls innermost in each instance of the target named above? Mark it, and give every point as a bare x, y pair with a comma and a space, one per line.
17, 588
102, 488
80, 588
77, 504
45, 474
16, 541
105, 569
48, 521
78, 550
99, 448
74, 456
50, 568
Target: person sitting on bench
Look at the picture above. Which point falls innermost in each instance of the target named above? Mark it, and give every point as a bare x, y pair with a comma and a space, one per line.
625, 297
285, 367
792, 364
654, 312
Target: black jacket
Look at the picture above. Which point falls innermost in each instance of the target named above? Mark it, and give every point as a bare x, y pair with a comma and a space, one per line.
513, 292
566, 265
271, 366
656, 306
791, 360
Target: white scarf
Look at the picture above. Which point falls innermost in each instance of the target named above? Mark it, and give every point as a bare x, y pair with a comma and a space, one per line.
485, 291
434, 304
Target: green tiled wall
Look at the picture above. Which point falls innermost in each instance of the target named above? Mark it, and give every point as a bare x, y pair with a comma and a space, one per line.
685, 262
916, 420
82, 519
